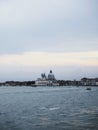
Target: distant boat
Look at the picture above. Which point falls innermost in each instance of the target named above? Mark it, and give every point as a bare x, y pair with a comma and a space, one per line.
88, 88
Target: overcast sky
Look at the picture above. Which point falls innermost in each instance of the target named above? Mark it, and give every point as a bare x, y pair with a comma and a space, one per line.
39, 35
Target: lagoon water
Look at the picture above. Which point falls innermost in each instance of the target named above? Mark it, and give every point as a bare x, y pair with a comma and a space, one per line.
48, 108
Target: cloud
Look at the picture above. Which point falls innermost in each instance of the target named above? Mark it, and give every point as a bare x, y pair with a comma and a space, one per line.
40, 34
17, 42
51, 59
20, 13
29, 65
47, 26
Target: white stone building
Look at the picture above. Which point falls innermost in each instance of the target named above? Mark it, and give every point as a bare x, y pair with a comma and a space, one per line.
47, 80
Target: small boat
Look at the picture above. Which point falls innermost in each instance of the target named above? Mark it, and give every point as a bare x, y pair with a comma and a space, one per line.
88, 88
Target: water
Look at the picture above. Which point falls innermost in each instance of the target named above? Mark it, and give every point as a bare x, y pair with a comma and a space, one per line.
48, 108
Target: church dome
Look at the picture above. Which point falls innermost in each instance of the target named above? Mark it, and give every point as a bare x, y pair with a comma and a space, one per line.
51, 76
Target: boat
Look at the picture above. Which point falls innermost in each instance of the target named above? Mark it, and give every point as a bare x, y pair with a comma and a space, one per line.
88, 88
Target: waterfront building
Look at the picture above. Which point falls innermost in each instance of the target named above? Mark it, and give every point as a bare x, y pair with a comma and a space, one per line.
47, 80
89, 81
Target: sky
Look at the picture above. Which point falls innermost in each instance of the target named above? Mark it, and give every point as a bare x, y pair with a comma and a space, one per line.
39, 35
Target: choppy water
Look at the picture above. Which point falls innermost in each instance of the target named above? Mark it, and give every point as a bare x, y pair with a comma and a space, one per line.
48, 108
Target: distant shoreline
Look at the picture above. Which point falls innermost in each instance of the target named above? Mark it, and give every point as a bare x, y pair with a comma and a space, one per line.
82, 82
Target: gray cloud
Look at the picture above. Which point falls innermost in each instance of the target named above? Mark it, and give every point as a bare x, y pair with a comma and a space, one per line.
54, 25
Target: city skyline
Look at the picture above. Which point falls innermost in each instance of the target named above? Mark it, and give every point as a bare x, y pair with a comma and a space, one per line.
36, 36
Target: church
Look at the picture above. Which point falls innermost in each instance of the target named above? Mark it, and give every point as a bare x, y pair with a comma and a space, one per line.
47, 80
